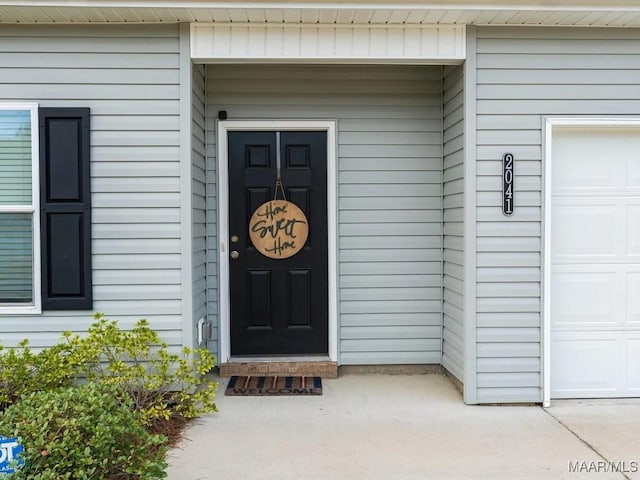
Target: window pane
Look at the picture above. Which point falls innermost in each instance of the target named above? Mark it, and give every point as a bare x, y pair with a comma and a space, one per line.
15, 157
16, 258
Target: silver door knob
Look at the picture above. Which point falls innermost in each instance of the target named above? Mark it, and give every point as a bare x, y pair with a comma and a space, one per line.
234, 254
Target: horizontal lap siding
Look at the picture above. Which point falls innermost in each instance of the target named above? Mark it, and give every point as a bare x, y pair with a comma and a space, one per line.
211, 189
453, 200
389, 188
198, 169
524, 74
128, 77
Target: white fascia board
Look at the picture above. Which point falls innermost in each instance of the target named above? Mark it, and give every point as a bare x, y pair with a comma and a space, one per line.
419, 44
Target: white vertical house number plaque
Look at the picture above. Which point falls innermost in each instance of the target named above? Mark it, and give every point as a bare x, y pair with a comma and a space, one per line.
507, 184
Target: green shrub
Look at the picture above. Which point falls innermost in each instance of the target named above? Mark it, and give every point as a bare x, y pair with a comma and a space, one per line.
87, 432
160, 383
23, 372
102, 429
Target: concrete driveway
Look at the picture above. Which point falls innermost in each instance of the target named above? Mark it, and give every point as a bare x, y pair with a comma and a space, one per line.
609, 427
406, 427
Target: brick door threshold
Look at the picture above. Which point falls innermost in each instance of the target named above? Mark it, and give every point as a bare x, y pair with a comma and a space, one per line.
323, 368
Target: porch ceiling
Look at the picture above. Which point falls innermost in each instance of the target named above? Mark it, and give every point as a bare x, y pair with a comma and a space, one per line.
620, 13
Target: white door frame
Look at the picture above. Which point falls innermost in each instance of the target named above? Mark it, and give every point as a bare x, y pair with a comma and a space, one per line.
549, 125
223, 222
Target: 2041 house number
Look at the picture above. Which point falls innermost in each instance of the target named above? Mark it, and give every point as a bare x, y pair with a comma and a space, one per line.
507, 184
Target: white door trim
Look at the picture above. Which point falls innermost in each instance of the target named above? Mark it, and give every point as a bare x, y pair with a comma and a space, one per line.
223, 223
551, 124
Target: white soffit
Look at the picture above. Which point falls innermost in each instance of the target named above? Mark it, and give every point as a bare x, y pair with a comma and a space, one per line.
600, 13
419, 44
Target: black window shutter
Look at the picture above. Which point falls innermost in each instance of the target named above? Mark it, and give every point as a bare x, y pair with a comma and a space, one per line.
65, 209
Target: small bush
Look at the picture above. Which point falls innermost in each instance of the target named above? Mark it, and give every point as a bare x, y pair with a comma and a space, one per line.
161, 384
23, 372
104, 429
87, 432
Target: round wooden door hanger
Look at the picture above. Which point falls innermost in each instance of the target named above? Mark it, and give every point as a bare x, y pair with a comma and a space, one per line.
278, 229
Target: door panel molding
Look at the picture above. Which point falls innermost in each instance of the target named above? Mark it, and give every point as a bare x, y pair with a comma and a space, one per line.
223, 128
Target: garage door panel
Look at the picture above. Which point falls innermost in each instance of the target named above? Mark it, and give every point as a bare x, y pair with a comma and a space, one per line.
582, 166
584, 230
632, 169
583, 298
633, 365
633, 300
582, 365
633, 231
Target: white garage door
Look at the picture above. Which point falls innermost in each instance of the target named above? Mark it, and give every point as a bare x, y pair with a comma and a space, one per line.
595, 263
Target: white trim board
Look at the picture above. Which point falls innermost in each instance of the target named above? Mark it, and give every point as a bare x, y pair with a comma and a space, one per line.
186, 193
223, 127
550, 124
470, 340
321, 43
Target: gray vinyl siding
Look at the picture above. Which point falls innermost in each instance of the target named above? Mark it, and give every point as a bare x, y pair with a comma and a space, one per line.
524, 74
212, 250
198, 191
453, 213
389, 129
128, 76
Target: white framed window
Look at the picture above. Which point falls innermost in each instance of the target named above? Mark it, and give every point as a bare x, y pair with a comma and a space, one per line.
19, 209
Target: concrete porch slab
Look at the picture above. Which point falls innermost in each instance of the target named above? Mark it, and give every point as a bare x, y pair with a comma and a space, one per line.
377, 427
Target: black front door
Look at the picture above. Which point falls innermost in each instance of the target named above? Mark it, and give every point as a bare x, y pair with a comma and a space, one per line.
278, 306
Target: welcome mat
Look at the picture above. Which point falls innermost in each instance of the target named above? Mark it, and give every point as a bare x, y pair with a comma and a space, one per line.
262, 386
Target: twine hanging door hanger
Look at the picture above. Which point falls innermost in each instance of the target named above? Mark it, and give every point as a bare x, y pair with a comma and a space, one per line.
278, 229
